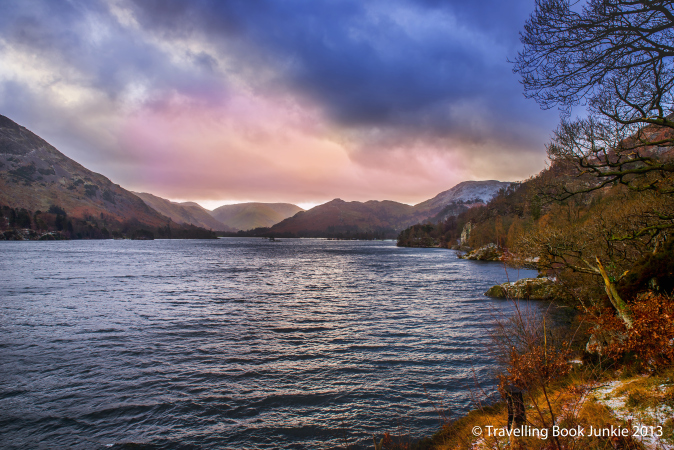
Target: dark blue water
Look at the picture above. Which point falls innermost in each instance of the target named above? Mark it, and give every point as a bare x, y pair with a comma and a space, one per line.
236, 343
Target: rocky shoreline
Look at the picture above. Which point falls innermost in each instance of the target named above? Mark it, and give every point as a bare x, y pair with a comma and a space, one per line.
541, 288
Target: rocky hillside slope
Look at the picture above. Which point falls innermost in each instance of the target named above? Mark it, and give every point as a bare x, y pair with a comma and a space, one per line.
465, 192
34, 175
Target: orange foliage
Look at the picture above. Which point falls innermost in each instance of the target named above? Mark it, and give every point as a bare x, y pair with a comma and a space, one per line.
536, 367
651, 338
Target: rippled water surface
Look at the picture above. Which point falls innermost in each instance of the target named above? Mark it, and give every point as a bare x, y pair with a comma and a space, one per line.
236, 343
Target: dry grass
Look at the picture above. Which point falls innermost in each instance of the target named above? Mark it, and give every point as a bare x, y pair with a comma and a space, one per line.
574, 404
644, 401
648, 391
458, 434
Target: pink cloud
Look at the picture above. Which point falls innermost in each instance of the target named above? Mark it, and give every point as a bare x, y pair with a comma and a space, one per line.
249, 148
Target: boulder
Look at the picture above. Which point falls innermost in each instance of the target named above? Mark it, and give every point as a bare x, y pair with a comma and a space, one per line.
541, 288
488, 252
496, 292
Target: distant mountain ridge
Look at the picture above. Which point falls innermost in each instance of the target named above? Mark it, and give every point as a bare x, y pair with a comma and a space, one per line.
227, 218
187, 212
246, 216
36, 176
338, 218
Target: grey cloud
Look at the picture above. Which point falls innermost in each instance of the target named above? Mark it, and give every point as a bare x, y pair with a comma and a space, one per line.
366, 69
367, 64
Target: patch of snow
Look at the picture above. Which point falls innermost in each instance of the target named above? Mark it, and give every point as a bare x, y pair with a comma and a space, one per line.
656, 416
482, 191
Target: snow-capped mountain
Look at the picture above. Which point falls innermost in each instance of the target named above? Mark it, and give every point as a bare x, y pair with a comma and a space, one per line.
467, 191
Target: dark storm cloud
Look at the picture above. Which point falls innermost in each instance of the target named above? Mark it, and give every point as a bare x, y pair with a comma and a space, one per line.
366, 92
394, 63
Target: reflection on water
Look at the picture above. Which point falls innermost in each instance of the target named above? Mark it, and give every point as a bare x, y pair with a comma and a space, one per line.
236, 343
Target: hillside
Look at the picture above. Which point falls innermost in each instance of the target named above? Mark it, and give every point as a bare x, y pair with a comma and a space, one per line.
338, 218
186, 213
34, 175
43, 190
465, 192
246, 216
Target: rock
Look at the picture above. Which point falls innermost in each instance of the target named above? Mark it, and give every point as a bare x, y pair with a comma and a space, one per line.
542, 288
593, 345
487, 253
496, 292
465, 234
52, 236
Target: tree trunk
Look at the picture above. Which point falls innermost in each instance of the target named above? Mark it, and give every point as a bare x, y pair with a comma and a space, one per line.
616, 301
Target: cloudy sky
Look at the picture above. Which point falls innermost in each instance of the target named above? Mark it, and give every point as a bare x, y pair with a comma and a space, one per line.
224, 101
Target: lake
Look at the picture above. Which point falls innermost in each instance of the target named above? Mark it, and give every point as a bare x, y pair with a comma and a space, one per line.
237, 342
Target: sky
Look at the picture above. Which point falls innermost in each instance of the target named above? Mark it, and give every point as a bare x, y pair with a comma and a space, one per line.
224, 101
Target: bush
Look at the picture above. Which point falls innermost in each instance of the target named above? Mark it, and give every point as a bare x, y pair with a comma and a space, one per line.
650, 340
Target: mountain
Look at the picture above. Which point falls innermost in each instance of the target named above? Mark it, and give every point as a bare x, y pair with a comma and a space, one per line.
338, 218
42, 189
246, 216
187, 212
34, 175
465, 192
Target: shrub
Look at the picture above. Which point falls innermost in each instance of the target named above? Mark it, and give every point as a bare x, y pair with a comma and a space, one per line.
650, 339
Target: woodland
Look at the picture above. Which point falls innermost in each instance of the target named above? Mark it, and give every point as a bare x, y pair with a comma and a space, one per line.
56, 224
598, 220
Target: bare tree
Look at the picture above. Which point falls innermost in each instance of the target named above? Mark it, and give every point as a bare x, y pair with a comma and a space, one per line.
600, 152
605, 240
613, 55
617, 58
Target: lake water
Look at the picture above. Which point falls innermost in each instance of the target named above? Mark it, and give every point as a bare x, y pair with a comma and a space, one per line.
237, 343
